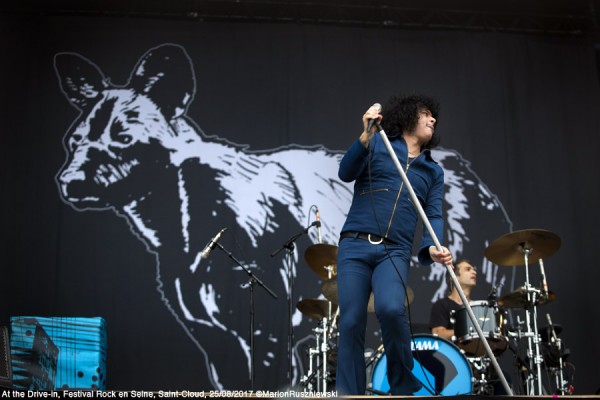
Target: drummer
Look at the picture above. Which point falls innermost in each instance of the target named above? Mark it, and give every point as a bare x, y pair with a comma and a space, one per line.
439, 321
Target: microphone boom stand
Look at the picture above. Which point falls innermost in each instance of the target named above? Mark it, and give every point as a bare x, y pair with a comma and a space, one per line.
289, 246
421, 212
253, 280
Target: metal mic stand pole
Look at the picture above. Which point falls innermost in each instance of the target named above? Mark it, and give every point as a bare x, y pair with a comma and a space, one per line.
289, 245
421, 212
251, 282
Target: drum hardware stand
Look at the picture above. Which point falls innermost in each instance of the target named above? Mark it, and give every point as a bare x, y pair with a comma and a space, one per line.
289, 246
521, 364
419, 208
481, 386
320, 351
534, 380
561, 383
332, 327
253, 280
376, 354
377, 392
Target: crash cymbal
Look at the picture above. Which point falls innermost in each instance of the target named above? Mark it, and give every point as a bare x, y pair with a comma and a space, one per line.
315, 308
518, 298
409, 293
510, 249
321, 257
330, 290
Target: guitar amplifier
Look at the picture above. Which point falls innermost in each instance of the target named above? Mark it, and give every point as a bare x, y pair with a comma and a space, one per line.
81, 345
5, 362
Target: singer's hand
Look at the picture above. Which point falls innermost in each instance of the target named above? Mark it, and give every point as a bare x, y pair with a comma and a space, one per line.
373, 113
443, 257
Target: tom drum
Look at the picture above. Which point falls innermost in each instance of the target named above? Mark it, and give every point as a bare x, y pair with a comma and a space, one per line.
491, 321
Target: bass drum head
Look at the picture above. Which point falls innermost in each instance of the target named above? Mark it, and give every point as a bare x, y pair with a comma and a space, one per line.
438, 365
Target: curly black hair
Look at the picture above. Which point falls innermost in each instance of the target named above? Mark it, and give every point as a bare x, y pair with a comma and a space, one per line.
402, 114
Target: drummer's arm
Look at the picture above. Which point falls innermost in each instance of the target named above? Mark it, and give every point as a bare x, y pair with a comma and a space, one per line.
443, 332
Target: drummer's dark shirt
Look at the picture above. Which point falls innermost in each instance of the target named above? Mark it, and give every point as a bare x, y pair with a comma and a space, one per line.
441, 311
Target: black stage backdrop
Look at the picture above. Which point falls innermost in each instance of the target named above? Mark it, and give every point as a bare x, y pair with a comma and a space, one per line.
203, 126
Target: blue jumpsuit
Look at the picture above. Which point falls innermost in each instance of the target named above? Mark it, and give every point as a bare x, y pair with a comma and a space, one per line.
382, 268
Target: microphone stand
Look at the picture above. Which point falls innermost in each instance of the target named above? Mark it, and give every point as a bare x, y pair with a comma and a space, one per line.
427, 224
289, 246
253, 280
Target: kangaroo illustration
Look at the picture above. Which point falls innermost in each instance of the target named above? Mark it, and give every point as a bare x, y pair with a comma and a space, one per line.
134, 150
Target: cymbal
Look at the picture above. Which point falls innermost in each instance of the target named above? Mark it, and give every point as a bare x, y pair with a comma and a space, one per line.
330, 290
315, 308
518, 298
510, 249
321, 257
409, 293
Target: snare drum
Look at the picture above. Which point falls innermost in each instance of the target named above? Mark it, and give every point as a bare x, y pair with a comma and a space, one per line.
491, 321
438, 364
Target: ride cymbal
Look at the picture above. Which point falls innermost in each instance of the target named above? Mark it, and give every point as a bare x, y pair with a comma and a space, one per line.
315, 308
509, 249
322, 258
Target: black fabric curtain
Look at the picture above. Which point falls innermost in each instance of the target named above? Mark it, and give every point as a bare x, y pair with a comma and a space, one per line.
519, 113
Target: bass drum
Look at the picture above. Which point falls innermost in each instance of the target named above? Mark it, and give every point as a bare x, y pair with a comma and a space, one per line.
438, 364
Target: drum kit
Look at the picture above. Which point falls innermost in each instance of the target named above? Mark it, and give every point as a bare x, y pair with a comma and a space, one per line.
520, 248
322, 259
460, 366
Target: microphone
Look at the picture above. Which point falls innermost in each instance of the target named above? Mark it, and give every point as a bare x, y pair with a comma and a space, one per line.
318, 223
373, 120
493, 295
211, 245
545, 292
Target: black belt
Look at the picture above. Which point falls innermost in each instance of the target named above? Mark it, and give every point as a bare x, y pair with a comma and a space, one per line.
373, 239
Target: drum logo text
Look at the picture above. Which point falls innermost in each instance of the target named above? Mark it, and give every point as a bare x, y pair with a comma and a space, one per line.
425, 345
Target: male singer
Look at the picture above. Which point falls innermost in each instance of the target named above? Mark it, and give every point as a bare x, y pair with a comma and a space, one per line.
376, 240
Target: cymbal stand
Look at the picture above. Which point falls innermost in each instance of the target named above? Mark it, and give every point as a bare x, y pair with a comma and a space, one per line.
326, 331
561, 383
324, 349
534, 381
559, 379
307, 380
318, 370
514, 338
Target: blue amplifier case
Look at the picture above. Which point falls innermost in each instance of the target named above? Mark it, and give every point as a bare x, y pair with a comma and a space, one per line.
81, 350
